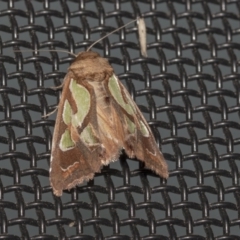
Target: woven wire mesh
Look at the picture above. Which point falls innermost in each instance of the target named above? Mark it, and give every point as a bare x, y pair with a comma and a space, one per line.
188, 89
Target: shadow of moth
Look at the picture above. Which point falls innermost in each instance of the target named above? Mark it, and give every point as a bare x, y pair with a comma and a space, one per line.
96, 119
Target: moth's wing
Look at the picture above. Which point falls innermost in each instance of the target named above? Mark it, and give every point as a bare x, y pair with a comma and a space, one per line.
77, 150
138, 140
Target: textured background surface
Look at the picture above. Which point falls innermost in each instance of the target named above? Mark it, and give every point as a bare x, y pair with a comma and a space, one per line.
188, 89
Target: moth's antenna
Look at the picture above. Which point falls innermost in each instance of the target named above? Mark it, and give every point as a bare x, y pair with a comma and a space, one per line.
111, 33
46, 50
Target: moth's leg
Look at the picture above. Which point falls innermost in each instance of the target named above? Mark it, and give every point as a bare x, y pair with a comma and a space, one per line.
48, 114
58, 87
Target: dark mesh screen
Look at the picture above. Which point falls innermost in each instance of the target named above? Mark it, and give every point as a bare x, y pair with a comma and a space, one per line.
188, 89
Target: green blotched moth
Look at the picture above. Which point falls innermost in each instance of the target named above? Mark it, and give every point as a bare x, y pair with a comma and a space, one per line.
96, 119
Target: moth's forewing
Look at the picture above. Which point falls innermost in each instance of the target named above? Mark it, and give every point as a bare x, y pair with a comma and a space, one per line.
138, 140
69, 165
96, 119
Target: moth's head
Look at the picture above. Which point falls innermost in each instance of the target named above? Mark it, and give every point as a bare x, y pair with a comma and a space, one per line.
86, 55
89, 65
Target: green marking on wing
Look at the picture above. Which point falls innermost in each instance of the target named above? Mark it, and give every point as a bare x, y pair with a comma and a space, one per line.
144, 129
116, 93
131, 125
83, 101
67, 112
88, 136
66, 142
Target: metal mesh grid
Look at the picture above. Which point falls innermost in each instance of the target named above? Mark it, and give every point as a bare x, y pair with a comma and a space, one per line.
188, 89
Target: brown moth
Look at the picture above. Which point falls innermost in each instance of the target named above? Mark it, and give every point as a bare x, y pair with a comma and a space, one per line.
96, 119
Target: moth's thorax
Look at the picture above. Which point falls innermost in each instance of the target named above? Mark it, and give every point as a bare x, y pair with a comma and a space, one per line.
102, 96
90, 66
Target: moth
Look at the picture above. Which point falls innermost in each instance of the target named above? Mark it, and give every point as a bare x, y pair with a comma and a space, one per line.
96, 119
